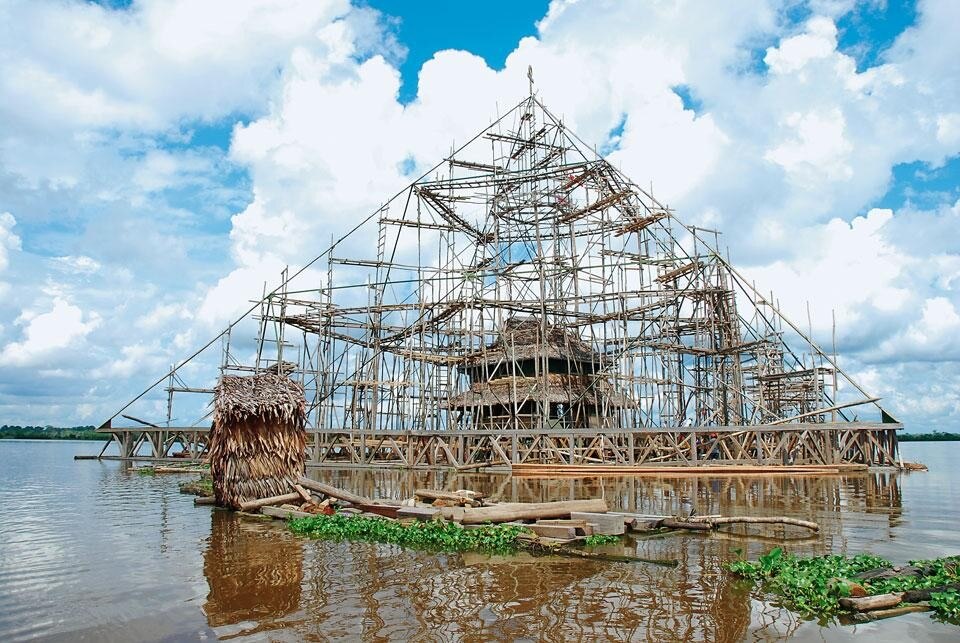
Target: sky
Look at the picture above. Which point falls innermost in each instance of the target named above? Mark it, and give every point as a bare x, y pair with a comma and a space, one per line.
160, 161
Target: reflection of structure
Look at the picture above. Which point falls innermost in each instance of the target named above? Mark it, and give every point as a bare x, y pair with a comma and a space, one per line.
254, 573
525, 301
352, 590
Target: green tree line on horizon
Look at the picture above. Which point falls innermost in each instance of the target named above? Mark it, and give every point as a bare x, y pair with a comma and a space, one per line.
13, 432
934, 436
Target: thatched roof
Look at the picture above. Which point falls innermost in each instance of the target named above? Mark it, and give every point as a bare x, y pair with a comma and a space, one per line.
559, 389
266, 396
523, 338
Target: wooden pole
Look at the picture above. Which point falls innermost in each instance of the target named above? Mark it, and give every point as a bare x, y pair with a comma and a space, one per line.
252, 505
332, 492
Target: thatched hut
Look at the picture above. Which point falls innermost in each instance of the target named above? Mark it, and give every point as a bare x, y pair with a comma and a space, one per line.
258, 438
532, 375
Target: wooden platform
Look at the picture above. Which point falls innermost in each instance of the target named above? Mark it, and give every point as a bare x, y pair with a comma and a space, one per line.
671, 450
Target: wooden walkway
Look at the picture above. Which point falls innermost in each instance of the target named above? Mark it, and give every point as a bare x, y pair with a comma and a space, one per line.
871, 444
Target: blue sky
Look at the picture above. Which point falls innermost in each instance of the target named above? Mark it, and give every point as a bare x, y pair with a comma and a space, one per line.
161, 161
488, 29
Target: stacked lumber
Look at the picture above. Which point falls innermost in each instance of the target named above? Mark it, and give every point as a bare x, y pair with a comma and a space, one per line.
258, 439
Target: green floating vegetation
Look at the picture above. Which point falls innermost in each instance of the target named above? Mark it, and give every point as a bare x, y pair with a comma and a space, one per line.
432, 535
202, 486
595, 540
813, 586
146, 471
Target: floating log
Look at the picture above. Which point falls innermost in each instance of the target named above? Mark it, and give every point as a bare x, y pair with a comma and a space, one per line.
759, 520
885, 573
253, 505
505, 512
917, 595
453, 513
432, 494
877, 615
868, 603
706, 523
672, 523
281, 512
204, 500
333, 492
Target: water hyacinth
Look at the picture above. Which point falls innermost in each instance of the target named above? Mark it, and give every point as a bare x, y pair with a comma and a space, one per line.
813, 586
433, 535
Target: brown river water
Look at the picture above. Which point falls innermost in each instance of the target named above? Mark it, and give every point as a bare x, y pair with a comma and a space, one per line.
91, 551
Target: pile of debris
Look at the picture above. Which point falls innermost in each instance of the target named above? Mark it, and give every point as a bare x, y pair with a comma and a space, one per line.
550, 523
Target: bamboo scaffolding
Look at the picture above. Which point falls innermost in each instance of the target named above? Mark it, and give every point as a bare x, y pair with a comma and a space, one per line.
524, 284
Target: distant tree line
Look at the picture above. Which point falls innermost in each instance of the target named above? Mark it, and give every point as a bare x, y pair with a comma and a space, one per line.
935, 436
50, 433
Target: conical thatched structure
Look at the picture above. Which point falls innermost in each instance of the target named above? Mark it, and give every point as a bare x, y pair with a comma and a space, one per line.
258, 439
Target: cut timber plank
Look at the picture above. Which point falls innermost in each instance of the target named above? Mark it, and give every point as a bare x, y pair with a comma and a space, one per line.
603, 523
582, 527
387, 511
280, 512
420, 513
553, 531
507, 511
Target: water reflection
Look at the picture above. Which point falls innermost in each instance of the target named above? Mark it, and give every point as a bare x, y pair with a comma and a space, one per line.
260, 578
130, 558
263, 579
254, 572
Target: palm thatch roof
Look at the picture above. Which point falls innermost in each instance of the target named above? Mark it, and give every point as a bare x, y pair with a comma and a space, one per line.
266, 397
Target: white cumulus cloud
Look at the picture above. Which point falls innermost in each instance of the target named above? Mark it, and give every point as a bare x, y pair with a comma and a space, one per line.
44, 333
